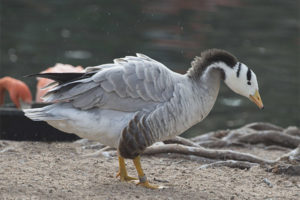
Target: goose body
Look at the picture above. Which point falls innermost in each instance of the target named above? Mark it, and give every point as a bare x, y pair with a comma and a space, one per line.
136, 101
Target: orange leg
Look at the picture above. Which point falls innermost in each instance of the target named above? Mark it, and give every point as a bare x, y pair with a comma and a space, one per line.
123, 172
142, 177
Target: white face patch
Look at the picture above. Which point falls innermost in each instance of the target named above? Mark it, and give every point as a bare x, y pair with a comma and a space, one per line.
241, 80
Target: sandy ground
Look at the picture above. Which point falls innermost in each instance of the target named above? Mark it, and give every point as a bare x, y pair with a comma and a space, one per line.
36, 170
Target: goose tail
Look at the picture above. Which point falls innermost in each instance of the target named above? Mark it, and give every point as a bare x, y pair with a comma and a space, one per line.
42, 114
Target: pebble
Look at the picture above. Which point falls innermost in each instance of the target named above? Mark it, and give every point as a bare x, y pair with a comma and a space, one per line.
268, 182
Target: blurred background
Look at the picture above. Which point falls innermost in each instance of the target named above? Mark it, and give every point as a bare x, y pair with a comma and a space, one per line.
35, 35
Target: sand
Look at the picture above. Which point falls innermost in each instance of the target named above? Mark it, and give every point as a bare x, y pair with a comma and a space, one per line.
37, 170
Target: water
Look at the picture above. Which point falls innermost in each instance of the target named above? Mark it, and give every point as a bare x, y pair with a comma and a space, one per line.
263, 34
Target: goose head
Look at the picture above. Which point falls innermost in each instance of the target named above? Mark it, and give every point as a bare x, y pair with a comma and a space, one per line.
236, 75
242, 80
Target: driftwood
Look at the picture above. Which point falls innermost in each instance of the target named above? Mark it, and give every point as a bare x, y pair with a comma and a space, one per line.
254, 133
288, 163
266, 137
208, 149
271, 136
230, 163
207, 153
181, 140
259, 126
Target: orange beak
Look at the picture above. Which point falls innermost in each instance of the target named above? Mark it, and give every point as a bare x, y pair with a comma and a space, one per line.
257, 100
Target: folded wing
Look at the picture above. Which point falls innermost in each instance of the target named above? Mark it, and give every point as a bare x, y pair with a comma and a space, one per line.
129, 84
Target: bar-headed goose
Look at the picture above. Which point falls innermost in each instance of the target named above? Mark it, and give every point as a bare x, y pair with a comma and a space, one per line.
136, 101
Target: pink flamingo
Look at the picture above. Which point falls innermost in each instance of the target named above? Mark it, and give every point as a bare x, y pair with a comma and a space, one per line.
18, 91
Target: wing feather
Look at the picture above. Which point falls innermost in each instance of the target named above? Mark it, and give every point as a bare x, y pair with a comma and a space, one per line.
130, 84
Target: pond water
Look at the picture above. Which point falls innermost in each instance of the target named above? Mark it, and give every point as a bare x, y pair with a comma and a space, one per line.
264, 35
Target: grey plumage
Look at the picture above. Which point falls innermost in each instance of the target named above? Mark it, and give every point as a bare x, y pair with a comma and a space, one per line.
144, 100
135, 79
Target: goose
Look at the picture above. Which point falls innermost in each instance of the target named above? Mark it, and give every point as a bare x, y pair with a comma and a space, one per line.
19, 92
137, 101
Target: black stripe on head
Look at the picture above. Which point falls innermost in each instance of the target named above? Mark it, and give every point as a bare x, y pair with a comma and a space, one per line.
249, 76
238, 71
